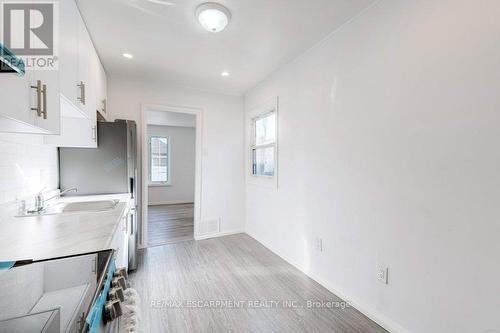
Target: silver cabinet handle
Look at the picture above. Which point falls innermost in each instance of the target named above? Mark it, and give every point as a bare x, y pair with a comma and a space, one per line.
82, 92
94, 133
38, 88
44, 94
104, 106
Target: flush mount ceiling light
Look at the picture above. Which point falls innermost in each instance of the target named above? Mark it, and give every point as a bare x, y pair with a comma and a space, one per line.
225, 73
213, 16
127, 55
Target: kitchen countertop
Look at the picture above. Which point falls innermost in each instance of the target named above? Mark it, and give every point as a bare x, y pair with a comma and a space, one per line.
50, 236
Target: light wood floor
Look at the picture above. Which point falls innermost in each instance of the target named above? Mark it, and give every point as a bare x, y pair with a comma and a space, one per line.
172, 279
170, 224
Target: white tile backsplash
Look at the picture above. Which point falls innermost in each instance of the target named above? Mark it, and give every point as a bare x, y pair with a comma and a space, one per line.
26, 166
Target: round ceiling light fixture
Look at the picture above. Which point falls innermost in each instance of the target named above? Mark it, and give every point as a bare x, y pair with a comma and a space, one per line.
213, 16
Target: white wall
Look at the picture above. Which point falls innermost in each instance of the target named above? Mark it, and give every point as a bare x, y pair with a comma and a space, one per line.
182, 141
163, 118
389, 134
222, 161
26, 167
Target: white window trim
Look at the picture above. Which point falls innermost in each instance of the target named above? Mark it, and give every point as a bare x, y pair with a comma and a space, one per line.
255, 146
169, 155
271, 182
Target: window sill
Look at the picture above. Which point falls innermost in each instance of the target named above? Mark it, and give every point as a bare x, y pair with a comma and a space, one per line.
261, 176
159, 185
263, 181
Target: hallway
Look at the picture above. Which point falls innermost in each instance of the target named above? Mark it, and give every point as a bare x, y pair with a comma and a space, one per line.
170, 224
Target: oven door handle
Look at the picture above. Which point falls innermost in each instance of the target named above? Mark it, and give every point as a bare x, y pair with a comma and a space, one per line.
94, 317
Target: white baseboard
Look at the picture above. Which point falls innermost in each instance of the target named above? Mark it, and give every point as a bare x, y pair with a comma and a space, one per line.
361, 306
171, 202
219, 234
376, 316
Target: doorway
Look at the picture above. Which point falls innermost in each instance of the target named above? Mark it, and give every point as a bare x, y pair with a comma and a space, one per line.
171, 170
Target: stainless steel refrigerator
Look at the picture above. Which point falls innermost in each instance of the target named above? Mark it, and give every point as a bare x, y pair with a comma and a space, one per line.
113, 167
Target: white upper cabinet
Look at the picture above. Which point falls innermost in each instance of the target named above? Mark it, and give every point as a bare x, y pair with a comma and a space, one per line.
15, 103
50, 118
75, 57
78, 132
59, 103
29, 103
68, 50
83, 83
102, 97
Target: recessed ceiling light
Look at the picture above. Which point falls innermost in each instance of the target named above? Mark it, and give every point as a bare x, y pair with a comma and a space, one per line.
213, 16
128, 55
225, 73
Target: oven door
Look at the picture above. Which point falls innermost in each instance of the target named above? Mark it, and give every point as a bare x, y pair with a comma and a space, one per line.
96, 320
50, 295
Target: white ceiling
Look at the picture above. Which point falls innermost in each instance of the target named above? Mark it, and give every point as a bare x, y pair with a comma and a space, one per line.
168, 44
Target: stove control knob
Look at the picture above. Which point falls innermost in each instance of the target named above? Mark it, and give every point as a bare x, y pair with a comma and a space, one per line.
117, 305
109, 311
116, 294
121, 272
112, 310
119, 282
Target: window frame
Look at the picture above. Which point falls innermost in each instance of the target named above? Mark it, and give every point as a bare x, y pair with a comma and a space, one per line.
254, 146
168, 182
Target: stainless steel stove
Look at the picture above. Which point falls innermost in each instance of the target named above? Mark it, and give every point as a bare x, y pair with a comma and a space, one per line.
81, 293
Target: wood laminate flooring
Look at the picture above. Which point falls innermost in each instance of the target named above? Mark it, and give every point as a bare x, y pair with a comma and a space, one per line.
170, 224
189, 286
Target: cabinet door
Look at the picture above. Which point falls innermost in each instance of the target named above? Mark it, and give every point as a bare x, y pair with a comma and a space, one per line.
120, 245
68, 50
125, 241
75, 132
103, 92
15, 110
85, 49
94, 94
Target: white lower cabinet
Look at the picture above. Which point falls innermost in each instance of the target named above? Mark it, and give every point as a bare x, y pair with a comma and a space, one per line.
120, 242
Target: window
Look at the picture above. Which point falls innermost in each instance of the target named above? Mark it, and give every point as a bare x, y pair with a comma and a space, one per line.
264, 145
159, 160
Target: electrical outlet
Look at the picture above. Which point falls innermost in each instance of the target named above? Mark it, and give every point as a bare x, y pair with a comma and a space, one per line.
318, 244
383, 275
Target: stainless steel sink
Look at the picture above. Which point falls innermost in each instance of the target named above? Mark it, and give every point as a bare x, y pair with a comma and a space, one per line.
89, 206
77, 207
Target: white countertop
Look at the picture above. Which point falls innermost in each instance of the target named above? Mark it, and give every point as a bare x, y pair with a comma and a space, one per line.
49, 236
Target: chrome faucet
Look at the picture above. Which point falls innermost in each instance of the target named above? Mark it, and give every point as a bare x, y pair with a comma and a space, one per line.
40, 201
71, 189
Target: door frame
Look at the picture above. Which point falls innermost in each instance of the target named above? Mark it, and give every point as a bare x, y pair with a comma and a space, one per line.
198, 112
